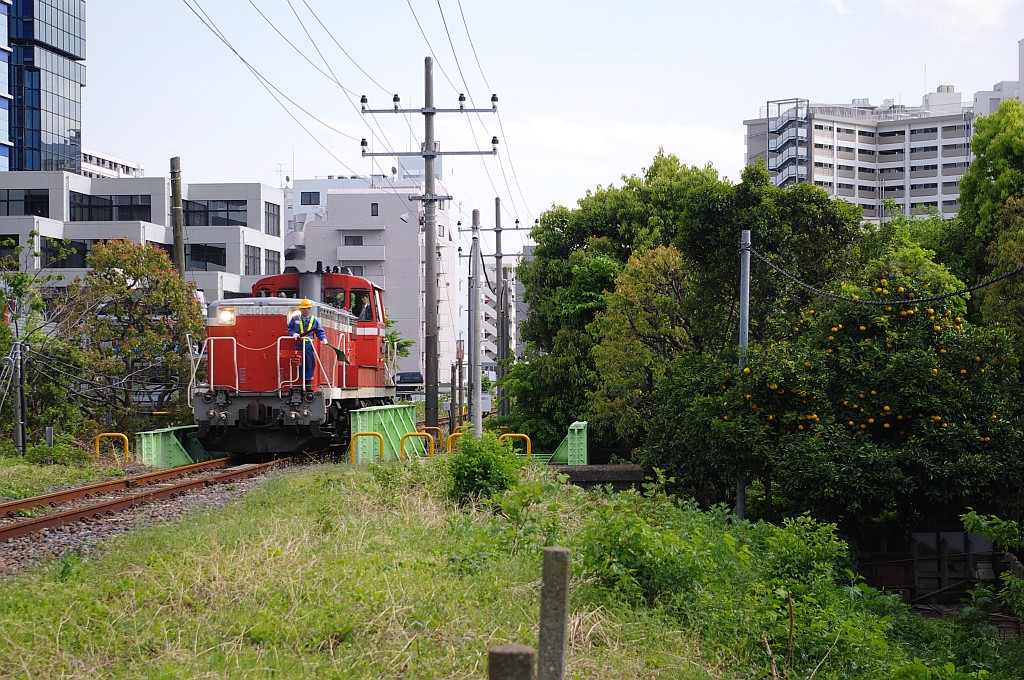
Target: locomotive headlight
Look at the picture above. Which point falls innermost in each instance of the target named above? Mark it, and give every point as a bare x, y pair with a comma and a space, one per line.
226, 316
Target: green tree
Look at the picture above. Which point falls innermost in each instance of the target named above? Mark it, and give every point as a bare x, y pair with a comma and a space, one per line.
865, 413
651, 317
996, 175
134, 318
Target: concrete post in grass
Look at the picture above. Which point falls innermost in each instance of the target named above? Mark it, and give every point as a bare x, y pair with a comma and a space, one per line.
510, 662
554, 614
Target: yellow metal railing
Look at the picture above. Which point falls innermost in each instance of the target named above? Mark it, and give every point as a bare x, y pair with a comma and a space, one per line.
509, 435
452, 438
124, 439
425, 435
352, 443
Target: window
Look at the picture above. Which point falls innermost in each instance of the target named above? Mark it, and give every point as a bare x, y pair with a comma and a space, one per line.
271, 218
127, 208
214, 213
211, 257
25, 202
866, 133
356, 269
252, 260
374, 210
271, 262
353, 240
924, 131
9, 252
309, 198
60, 254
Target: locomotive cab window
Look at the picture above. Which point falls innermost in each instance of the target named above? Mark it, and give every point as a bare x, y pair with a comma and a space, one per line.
362, 306
335, 297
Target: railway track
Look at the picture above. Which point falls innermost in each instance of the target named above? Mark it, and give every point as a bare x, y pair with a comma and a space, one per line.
98, 501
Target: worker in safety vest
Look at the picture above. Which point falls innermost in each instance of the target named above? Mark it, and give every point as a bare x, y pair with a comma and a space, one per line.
304, 328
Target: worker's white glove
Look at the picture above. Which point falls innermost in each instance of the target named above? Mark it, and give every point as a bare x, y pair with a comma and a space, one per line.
295, 335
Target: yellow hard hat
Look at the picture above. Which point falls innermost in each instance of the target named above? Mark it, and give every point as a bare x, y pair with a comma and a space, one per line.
305, 304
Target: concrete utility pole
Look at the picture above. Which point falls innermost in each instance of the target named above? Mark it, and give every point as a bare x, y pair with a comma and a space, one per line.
19, 397
177, 216
741, 474
499, 307
502, 297
475, 314
430, 199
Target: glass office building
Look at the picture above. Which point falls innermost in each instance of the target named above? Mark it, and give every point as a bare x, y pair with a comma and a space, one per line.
47, 39
5, 87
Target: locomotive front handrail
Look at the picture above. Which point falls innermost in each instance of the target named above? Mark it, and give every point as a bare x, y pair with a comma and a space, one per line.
322, 379
208, 345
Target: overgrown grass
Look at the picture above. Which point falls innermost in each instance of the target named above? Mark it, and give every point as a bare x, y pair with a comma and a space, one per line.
330, 572
21, 479
372, 572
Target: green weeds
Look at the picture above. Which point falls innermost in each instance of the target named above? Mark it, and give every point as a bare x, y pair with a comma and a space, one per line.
377, 572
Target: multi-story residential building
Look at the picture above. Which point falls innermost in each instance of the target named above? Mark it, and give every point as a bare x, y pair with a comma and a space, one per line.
96, 164
232, 231
47, 38
913, 155
865, 154
372, 226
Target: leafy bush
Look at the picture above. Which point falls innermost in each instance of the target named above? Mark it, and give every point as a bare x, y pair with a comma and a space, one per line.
63, 452
481, 468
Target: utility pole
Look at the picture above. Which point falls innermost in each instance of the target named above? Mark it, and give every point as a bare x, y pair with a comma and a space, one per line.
177, 216
430, 199
475, 314
502, 297
19, 397
502, 322
741, 474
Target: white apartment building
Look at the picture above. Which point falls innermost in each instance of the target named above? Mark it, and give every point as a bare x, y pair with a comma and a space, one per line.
373, 226
232, 231
97, 164
865, 154
914, 155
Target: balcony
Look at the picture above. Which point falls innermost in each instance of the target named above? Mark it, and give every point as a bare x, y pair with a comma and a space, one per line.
360, 253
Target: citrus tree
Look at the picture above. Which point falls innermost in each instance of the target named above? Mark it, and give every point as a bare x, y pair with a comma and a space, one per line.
872, 408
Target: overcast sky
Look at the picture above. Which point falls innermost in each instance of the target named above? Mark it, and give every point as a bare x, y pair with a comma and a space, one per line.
589, 90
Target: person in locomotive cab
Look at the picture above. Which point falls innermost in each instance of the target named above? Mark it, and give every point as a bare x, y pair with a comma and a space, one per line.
304, 328
365, 311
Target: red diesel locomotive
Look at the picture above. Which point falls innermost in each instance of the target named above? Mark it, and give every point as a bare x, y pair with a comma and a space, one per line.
254, 399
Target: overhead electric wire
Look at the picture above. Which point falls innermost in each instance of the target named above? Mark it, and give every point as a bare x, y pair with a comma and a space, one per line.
354, 62
501, 126
430, 47
212, 26
332, 77
383, 138
472, 130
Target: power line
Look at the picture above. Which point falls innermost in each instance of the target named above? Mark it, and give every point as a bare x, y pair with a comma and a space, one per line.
501, 126
455, 56
212, 26
914, 301
332, 76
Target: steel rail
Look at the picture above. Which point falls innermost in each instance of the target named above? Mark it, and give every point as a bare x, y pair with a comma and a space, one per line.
52, 500
109, 508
